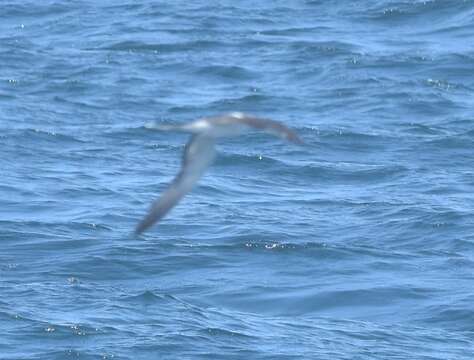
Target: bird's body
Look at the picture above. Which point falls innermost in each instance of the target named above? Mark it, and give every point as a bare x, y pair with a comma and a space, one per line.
200, 152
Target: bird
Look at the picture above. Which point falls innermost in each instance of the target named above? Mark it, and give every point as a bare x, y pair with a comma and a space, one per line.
200, 152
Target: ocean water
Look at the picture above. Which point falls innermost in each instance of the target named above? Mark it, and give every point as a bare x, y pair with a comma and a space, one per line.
358, 244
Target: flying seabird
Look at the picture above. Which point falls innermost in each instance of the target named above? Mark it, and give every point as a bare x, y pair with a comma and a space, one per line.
199, 153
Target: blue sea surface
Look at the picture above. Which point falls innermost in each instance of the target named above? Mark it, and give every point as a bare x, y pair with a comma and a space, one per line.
358, 244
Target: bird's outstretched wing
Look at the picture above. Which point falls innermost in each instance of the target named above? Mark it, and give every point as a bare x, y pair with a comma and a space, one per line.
267, 125
198, 155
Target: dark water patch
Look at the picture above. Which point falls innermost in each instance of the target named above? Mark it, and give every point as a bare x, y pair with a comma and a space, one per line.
286, 245
404, 12
245, 103
130, 7
459, 124
5, 96
145, 298
220, 334
83, 105
226, 159
42, 10
322, 48
422, 129
295, 31
309, 299
451, 316
451, 142
226, 72
36, 135
348, 172
39, 233
465, 245
131, 133
446, 85
354, 141
135, 46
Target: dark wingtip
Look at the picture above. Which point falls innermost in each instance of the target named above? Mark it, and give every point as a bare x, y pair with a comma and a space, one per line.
295, 138
141, 227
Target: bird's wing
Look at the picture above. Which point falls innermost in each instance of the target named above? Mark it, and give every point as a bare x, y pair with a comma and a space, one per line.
268, 125
198, 155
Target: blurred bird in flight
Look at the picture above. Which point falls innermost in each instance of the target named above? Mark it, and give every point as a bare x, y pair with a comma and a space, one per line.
200, 151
